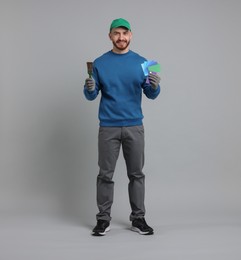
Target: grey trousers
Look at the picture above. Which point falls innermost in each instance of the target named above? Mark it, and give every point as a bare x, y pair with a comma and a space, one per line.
110, 140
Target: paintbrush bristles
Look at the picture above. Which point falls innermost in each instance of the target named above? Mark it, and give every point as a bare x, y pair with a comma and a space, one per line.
89, 68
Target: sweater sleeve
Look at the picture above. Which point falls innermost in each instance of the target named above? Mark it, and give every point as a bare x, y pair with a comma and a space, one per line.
150, 92
90, 95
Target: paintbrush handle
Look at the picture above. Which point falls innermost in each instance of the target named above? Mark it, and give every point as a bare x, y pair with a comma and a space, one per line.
89, 68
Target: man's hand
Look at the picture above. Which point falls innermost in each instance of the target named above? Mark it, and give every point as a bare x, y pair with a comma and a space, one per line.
90, 84
154, 80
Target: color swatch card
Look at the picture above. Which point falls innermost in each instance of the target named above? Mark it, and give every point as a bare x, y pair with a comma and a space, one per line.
150, 66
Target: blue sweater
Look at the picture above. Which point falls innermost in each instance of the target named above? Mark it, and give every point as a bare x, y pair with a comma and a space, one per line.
121, 81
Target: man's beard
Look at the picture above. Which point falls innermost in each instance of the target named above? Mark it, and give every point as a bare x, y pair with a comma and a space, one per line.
127, 43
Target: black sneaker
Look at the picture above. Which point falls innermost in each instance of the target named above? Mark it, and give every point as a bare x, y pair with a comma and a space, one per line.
101, 228
139, 225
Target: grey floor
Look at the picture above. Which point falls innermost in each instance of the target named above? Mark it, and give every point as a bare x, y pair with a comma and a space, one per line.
23, 238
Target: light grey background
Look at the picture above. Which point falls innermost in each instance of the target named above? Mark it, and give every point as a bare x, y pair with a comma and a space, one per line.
48, 133
48, 130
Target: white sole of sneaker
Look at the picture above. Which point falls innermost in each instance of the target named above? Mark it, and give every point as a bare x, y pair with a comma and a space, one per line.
135, 229
101, 233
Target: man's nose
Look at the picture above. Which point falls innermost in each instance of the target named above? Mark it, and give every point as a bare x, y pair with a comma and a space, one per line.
121, 37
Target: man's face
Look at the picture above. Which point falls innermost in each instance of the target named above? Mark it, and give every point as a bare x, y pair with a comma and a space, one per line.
120, 38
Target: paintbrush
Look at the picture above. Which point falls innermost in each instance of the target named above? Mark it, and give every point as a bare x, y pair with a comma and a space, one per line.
89, 68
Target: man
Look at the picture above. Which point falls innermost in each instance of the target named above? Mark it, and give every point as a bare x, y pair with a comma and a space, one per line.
118, 75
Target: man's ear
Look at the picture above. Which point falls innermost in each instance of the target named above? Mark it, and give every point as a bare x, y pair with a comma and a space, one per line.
131, 34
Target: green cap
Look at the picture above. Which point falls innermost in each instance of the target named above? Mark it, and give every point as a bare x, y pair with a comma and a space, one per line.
120, 22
